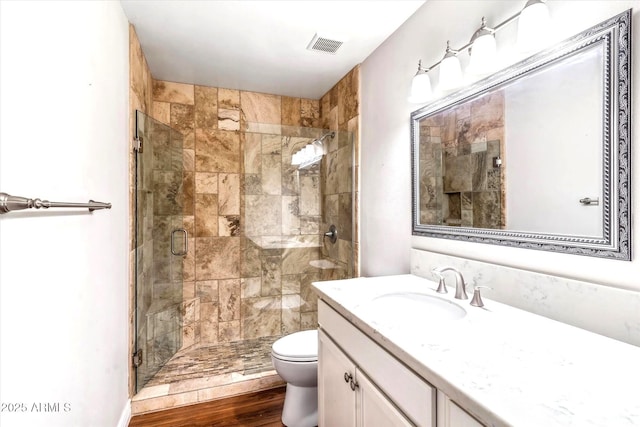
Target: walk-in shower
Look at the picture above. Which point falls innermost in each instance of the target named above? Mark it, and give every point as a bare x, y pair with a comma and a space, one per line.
230, 235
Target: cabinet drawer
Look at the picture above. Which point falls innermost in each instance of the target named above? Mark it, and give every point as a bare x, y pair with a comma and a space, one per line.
415, 397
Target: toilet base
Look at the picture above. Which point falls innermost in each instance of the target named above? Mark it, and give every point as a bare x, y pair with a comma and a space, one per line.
300, 406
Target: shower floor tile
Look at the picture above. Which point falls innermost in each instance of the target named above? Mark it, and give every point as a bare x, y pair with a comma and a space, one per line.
216, 364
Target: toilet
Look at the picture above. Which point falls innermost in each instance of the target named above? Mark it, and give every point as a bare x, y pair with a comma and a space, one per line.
295, 358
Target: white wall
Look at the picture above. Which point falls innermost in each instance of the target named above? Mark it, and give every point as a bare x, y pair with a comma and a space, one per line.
385, 164
64, 274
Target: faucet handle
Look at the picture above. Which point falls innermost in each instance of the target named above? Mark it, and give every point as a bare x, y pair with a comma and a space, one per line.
442, 289
476, 301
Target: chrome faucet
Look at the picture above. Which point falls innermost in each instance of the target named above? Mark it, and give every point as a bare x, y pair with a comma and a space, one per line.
461, 293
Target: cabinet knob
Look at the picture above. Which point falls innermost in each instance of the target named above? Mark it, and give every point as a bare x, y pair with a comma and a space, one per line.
354, 385
347, 377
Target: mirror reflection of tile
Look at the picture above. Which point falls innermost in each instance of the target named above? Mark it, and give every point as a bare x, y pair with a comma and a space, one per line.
460, 182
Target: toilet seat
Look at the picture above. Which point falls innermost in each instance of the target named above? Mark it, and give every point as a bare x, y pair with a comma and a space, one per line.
297, 347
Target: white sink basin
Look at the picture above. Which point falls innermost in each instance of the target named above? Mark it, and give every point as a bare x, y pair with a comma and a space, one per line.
412, 306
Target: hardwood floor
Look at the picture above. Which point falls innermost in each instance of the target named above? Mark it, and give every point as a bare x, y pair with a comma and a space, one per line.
250, 410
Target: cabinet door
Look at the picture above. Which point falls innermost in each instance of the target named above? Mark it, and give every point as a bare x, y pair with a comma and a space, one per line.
374, 409
451, 415
336, 400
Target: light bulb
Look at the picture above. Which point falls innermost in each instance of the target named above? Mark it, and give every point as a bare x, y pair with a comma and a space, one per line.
420, 88
450, 71
533, 26
483, 55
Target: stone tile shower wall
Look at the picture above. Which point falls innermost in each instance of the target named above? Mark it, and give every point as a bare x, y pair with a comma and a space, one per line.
253, 220
340, 112
460, 185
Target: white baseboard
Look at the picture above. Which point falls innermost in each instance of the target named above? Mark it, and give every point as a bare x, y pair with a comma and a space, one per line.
125, 416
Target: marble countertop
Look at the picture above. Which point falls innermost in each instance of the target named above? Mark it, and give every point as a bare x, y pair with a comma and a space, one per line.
503, 365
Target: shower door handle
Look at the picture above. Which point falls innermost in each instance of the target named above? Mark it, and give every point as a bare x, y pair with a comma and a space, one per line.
186, 242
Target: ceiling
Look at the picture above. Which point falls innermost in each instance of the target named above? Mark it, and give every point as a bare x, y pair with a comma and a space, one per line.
261, 45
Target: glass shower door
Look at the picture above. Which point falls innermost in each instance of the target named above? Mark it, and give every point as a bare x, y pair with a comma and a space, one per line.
161, 244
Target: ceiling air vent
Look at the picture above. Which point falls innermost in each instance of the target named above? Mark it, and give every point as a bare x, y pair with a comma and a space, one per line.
323, 44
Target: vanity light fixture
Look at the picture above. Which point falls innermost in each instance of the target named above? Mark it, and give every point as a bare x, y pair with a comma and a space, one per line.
450, 70
420, 86
533, 23
483, 50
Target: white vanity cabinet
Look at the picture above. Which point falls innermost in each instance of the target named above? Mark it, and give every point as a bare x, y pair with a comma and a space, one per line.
451, 415
347, 397
361, 384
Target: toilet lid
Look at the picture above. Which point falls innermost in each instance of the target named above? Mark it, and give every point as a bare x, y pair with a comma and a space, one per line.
299, 346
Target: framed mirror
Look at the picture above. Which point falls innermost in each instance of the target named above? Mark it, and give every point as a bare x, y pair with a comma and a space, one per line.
535, 156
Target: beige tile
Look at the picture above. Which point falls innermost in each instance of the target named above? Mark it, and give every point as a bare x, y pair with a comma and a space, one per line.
290, 284
290, 313
261, 317
150, 392
206, 107
182, 120
263, 215
190, 308
229, 300
195, 384
325, 107
308, 297
308, 320
290, 111
229, 193
178, 93
310, 108
249, 258
271, 144
271, 174
260, 107
161, 111
207, 290
136, 69
217, 151
188, 223
310, 111
158, 403
296, 260
348, 96
206, 215
188, 262
206, 183
290, 215
188, 290
189, 338
353, 127
188, 192
264, 128
229, 331
208, 323
310, 195
250, 287
332, 124
252, 147
228, 99
189, 160
228, 119
217, 258
229, 225
271, 276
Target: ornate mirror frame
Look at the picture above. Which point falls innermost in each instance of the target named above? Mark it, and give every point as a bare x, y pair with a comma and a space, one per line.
614, 35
